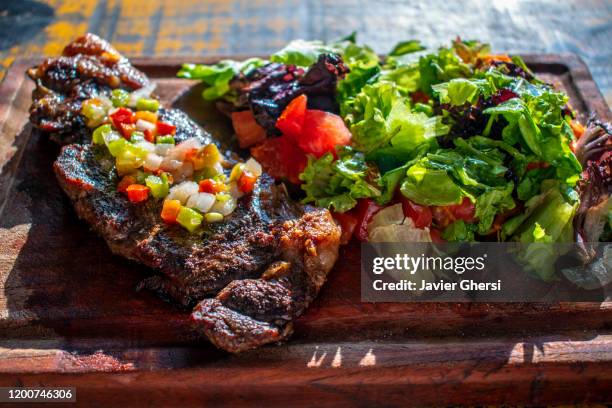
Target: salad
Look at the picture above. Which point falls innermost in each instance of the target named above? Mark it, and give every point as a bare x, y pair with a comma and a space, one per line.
450, 145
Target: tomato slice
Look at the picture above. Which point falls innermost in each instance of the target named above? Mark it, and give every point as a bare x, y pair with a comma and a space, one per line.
348, 223
291, 121
322, 132
420, 214
281, 158
247, 129
464, 211
365, 210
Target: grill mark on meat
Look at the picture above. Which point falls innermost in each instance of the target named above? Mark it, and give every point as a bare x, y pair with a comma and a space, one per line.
252, 274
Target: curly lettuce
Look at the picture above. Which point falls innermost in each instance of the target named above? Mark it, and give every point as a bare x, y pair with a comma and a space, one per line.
337, 184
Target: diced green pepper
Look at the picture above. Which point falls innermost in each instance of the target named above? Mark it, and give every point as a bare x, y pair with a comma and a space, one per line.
120, 98
94, 111
222, 197
165, 140
145, 104
213, 217
158, 185
98, 134
205, 173
189, 219
116, 147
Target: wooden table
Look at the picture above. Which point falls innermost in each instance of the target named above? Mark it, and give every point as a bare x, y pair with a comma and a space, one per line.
471, 354
198, 27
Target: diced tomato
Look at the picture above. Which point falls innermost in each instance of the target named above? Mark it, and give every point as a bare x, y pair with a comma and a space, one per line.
348, 223
170, 211
211, 186
281, 158
164, 128
464, 211
420, 214
246, 182
122, 115
126, 130
365, 210
419, 97
292, 119
322, 132
436, 236
247, 129
125, 182
137, 193
149, 135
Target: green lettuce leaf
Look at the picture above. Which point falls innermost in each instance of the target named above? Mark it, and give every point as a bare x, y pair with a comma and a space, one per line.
429, 186
303, 53
492, 202
217, 77
380, 117
406, 47
337, 184
459, 231
461, 90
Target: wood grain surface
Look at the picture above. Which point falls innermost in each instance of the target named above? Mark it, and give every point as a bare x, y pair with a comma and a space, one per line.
70, 314
201, 27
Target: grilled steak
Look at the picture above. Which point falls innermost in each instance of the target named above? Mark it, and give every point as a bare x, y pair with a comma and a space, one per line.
252, 274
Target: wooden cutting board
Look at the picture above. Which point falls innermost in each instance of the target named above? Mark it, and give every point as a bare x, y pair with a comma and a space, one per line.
70, 314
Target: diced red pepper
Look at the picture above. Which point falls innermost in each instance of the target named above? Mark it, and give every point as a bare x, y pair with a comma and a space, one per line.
365, 210
420, 214
137, 193
247, 130
211, 186
125, 182
164, 128
149, 135
246, 182
122, 115
170, 211
292, 119
126, 130
348, 223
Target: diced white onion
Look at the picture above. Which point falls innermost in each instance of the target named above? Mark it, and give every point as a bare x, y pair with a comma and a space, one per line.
105, 102
224, 207
143, 125
143, 92
183, 191
162, 149
148, 146
152, 162
387, 216
182, 148
253, 167
234, 192
201, 201
171, 165
183, 172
